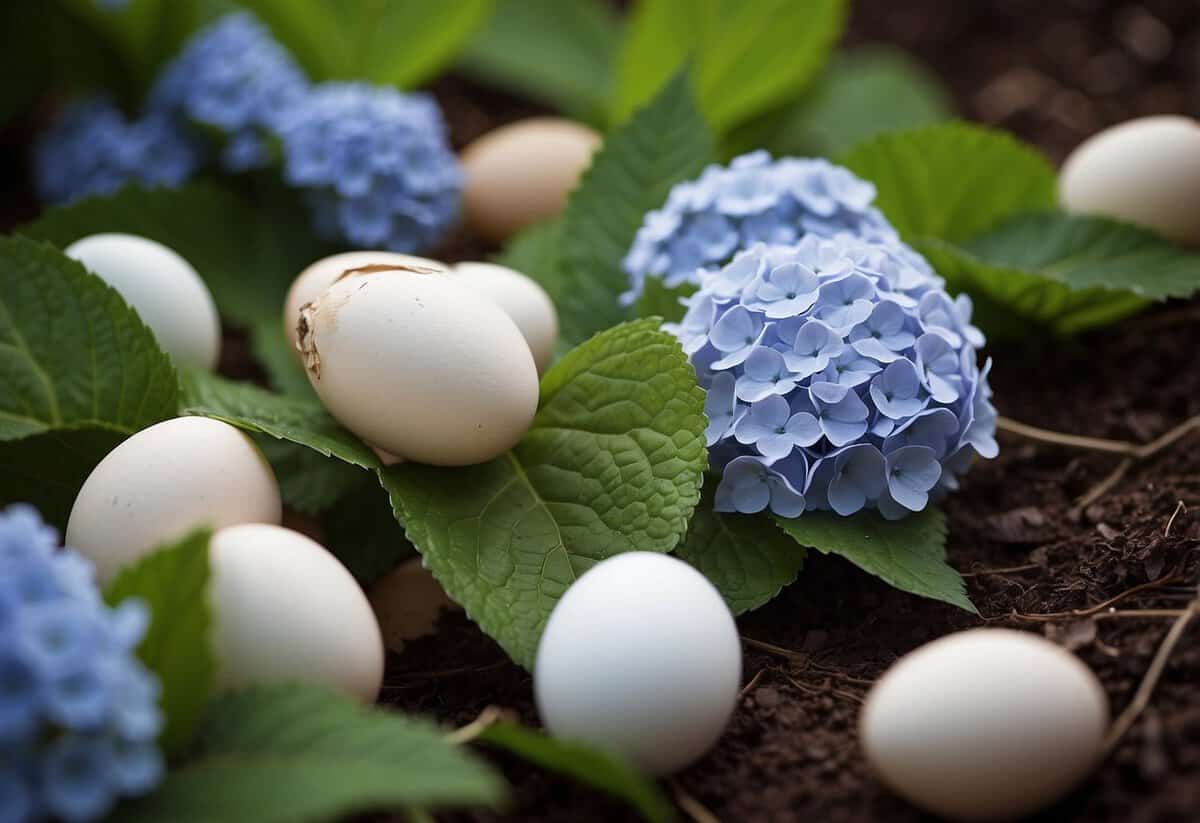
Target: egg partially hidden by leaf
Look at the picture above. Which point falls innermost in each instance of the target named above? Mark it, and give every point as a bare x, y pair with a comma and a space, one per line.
640, 657
521, 174
988, 724
522, 299
165, 481
163, 288
1145, 171
285, 610
420, 366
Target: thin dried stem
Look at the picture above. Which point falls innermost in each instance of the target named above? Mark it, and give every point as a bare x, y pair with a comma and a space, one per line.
750, 686
1099, 607
1104, 486
487, 718
1006, 570
1178, 508
692, 807
1138, 614
778, 651
1073, 441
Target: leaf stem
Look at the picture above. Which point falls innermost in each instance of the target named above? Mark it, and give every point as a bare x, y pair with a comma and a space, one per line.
487, 718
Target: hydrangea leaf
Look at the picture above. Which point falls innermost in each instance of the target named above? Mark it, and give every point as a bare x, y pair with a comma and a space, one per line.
613, 463
664, 143
555, 52
309, 481
589, 766
287, 753
173, 583
657, 300
909, 554
362, 532
748, 57
952, 181
47, 470
746, 557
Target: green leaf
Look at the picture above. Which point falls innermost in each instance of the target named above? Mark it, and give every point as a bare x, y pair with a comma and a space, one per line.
47, 470
659, 300
909, 554
748, 57
173, 583
952, 181
293, 754
581, 762
309, 481
555, 52
362, 532
747, 558
664, 143
391, 42
613, 463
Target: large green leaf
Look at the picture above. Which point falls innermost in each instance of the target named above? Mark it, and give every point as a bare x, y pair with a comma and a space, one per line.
909, 554
746, 557
293, 754
309, 481
393, 42
553, 51
747, 57
952, 181
47, 470
173, 583
664, 143
613, 463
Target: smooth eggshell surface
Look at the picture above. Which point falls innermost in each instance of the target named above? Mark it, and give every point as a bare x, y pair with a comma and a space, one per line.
163, 482
407, 602
522, 299
988, 724
1146, 171
321, 274
521, 174
163, 288
421, 367
287, 611
640, 657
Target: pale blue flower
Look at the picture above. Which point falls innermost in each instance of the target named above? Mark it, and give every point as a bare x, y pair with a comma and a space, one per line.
883, 334
765, 374
775, 430
937, 363
911, 472
845, 302
848, 369
749, 486
897, 392
859, 476
841, 414
785, 291
813, 345
735, 335
720, 407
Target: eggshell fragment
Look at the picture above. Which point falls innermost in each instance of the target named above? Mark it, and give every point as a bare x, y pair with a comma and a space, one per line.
1146, 171
522, 299
520, 174
163, 482
408, 602
420, 366
640, 657
286, 611
988, 724
163, 288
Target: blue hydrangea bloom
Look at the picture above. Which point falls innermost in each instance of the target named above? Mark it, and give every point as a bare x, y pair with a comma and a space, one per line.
92, 149
234, 78
839, 376
79, 713
752, 200
375, 163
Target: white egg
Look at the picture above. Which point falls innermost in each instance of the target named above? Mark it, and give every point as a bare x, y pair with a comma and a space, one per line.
163, 288
522, 299
521, 173
321, 274
420, 366
165, 481
285, 610
408, 602
1146, 171
640, 657
988, 724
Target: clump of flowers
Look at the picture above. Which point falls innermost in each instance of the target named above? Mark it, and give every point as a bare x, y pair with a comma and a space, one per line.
839, 375
79, 713
376, 164
93, 149
752, 200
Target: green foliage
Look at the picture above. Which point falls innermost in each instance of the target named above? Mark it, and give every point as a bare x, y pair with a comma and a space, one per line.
362, 532
309, 481
553, 51
393, 42
300, 754
659, 301
613, 463
537, 252
664, 143
590, 766
909, 554
173, 583
748, 57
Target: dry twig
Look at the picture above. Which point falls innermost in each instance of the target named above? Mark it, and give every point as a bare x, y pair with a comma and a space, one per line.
1099, 607
692, 807
487, 718
1179, 508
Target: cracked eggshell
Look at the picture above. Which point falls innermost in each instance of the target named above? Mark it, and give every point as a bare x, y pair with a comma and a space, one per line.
322, 274
285, 610
1145, 171
420, 366
163, 482
163, 288
521, 173
522, 299
987, 724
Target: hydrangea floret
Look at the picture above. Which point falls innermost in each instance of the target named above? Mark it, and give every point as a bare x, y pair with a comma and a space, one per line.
839, 375
79, 713
752, 200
